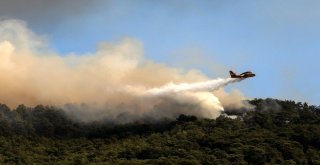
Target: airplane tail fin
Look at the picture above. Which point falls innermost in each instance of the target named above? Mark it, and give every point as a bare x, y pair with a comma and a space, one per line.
232, 74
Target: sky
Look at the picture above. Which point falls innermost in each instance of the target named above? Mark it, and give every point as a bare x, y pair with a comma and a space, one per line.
276, 39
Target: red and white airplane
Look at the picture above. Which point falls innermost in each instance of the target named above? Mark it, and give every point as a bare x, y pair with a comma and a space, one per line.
243, 75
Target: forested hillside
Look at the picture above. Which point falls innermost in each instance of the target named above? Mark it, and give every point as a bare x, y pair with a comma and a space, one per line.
275, 132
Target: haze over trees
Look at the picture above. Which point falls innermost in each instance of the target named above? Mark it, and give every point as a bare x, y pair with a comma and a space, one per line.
275, 132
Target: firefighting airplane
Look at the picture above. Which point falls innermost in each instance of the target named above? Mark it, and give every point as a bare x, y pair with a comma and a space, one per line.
242, 75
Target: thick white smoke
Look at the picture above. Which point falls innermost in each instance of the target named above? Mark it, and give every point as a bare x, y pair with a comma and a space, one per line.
172, 99
115, 82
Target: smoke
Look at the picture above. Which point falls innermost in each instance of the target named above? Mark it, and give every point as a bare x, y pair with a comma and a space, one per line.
49, 13
114, 83
269, 105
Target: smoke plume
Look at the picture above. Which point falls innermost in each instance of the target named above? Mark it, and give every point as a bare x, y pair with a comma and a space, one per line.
114, 83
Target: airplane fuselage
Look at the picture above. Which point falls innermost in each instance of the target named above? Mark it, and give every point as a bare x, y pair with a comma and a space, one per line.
242, 75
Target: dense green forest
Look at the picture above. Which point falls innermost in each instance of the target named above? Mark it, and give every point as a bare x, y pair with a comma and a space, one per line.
275, 132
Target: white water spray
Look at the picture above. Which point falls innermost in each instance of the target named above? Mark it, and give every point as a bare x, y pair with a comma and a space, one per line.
185, 98
207, 86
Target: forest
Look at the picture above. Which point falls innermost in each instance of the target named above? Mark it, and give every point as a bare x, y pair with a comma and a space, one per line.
274, 132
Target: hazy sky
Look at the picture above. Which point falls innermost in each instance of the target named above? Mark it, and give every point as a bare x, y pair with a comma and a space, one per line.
279, 40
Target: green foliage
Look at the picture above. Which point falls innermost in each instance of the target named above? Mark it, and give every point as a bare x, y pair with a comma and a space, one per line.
275, 132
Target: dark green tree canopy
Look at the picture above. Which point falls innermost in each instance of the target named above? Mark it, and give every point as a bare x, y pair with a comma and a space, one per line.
275, 132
